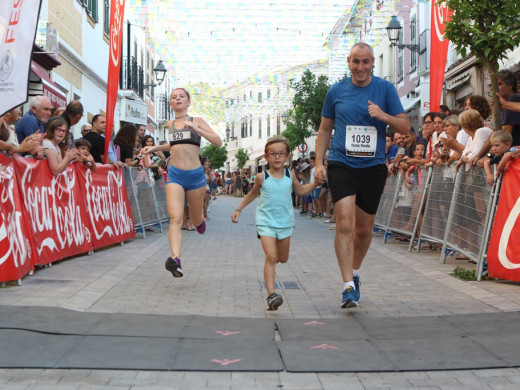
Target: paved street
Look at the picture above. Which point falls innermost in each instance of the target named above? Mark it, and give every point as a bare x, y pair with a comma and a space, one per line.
223, 270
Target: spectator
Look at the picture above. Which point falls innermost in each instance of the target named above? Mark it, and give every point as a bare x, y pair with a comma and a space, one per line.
85, 129
35, 119
84, 156
54, 135
481, 104
125, 141
141, 133
96, 138
153, 160
500, 146
508, 90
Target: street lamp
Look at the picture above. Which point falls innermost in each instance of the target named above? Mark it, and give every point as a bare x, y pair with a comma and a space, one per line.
393, 30
160, 73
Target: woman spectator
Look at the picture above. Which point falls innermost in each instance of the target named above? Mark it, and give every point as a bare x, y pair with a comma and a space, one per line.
474, 210
125, 142
55, 133
153, 160
481, 104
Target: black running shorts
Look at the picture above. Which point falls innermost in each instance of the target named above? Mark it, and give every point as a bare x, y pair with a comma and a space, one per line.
366, 183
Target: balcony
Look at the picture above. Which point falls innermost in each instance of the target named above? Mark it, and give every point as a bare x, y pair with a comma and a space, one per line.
132, 77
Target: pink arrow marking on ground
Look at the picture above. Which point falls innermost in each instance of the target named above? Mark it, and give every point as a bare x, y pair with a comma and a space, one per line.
315, 323
226, 332
324, 346
225, 362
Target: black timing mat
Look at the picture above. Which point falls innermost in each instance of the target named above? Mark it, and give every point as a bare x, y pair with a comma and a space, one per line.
49, 337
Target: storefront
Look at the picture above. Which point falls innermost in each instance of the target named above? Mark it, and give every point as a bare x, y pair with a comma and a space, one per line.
133, 111
41, 84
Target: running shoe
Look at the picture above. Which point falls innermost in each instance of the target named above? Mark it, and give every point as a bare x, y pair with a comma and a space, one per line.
174, 266
357, 283
350, 298
274, 301
201, 228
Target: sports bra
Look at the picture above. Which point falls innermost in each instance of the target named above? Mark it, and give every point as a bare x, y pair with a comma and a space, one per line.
183, 136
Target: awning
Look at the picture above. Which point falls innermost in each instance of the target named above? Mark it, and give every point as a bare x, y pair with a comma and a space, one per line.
409, 103
50, 90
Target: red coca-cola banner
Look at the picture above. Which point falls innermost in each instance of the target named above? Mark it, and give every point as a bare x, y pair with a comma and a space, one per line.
107, 204
55, 210
117, 10
438, 52
504, 246
15, 235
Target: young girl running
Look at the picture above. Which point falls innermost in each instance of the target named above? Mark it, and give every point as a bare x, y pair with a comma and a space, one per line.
274, 213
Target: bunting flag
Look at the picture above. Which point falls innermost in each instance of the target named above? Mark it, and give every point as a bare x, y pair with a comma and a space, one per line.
438, 52
256, 44
117, 10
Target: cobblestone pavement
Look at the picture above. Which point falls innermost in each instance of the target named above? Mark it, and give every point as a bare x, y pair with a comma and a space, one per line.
223, 270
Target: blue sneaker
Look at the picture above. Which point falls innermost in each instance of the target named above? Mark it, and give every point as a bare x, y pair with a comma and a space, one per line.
357, 283
350, 298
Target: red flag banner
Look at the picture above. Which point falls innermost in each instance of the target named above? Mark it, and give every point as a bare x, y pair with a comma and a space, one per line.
438, 52
18, 23
504, 246
15, 237
55, 209
117, 10
107, 204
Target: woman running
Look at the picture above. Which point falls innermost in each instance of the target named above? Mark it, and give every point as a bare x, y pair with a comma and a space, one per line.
185, 174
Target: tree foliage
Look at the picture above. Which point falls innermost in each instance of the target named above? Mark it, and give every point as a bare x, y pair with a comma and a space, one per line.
487, 29
217, 156
305, 116
242, 157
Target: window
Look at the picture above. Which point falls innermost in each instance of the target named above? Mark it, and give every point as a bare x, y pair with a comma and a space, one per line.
413, 41
233, 130
259, 97
250, 125
92, 9
259, 128
268, 94
245, 97
400, 62
278, 124
250, 94
268, 125
106, 18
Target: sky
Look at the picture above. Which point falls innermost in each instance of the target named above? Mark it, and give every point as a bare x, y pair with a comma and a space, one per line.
224, 42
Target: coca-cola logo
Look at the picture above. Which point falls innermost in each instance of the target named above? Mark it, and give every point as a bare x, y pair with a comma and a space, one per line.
505, 237
106, 205
53, 210
13, 242
440, 17
115, 32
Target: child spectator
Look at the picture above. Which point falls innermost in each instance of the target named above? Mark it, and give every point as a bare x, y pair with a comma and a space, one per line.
500, 145
55, 133
83, 147
274, 213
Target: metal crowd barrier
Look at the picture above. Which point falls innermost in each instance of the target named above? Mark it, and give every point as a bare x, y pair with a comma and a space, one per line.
147, 199
447, 209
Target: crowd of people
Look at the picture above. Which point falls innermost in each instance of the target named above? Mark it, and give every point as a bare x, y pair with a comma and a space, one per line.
464, 139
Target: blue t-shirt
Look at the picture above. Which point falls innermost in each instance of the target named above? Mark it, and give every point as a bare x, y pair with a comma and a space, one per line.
27, 125
392, 152
347, 105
